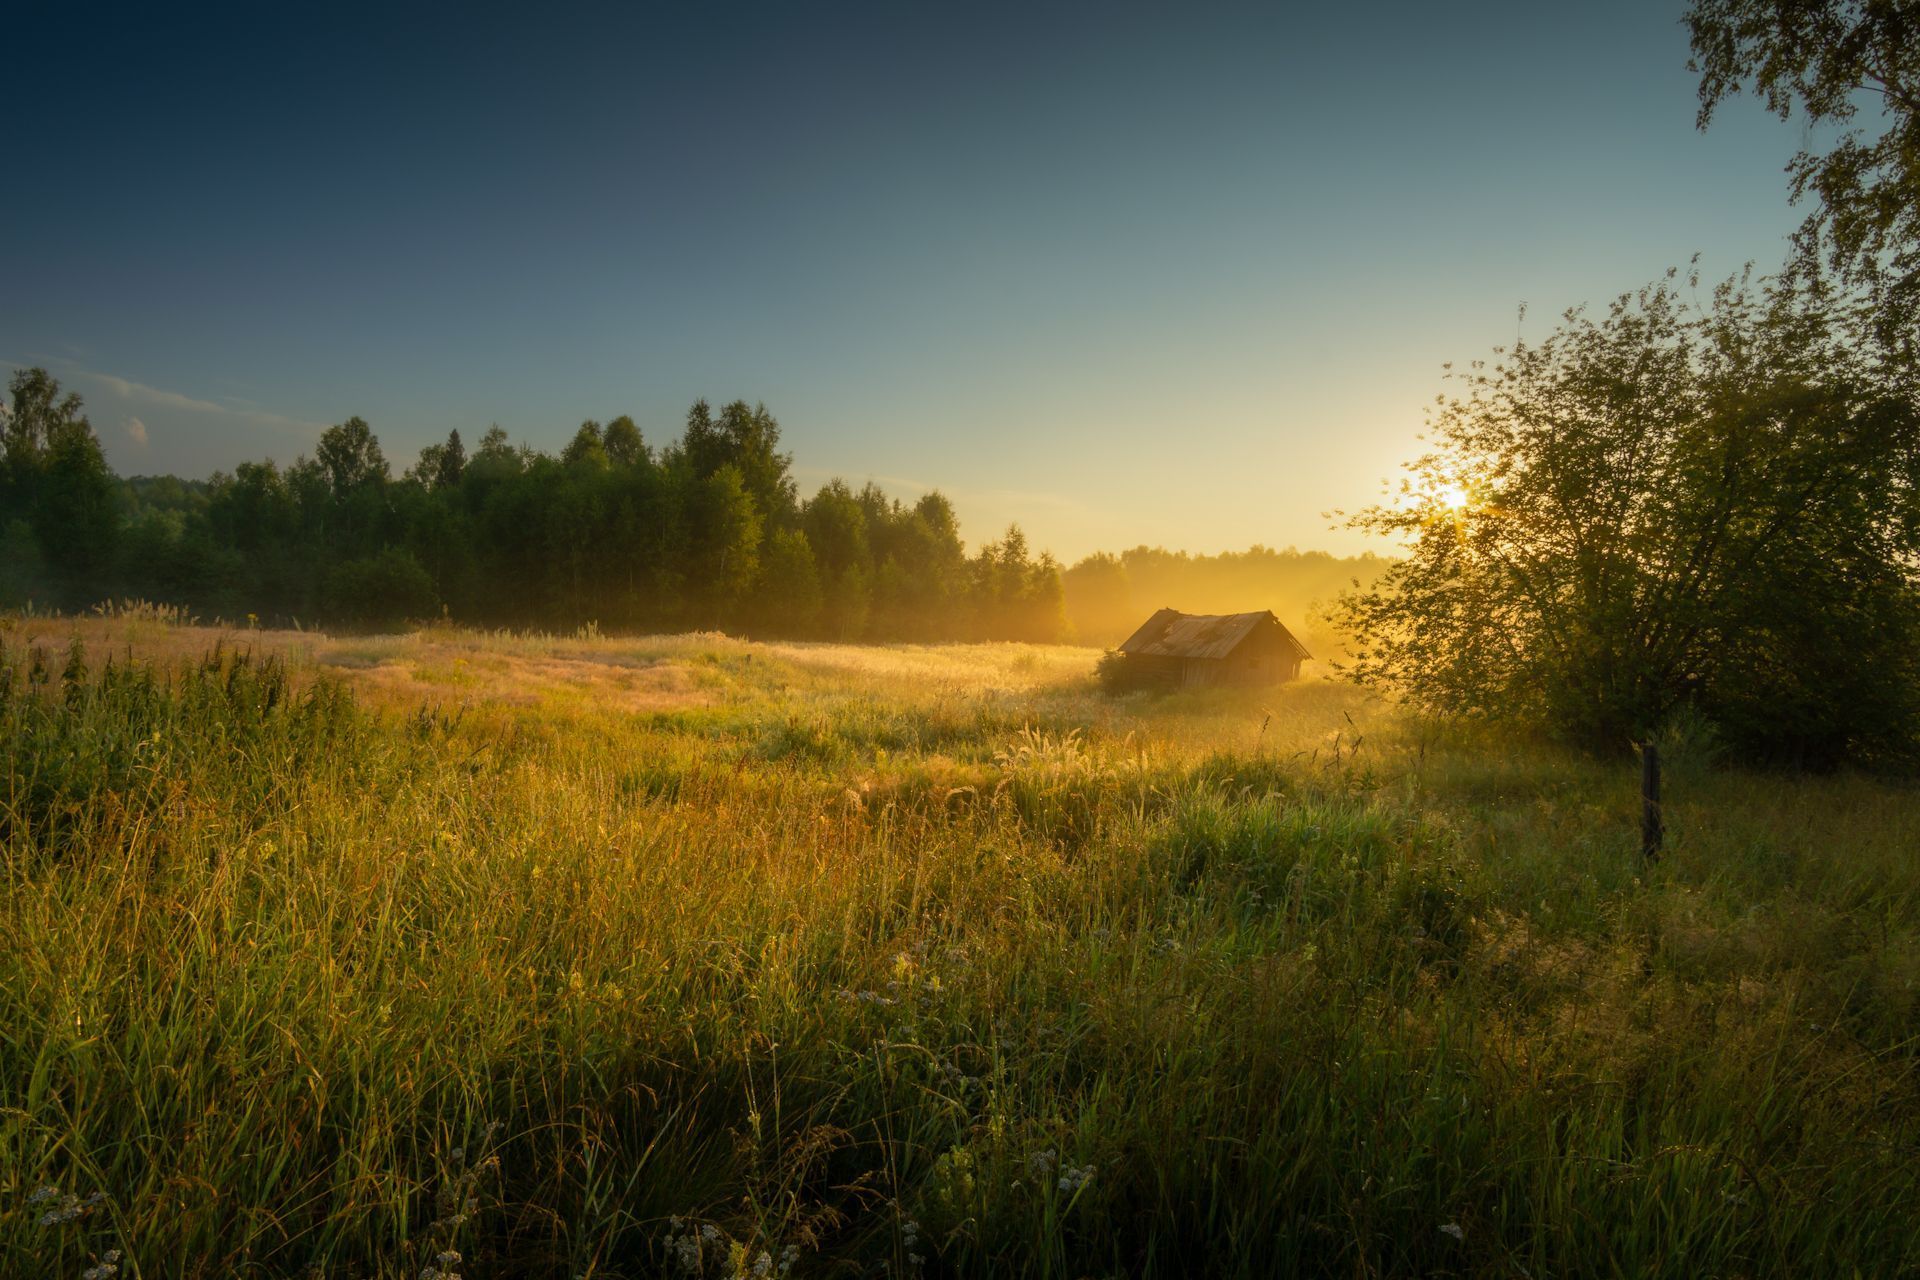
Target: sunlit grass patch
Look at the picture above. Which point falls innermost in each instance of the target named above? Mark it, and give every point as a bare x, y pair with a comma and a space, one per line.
455, 677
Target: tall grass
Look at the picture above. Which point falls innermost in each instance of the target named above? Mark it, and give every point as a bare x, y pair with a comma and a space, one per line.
833, 968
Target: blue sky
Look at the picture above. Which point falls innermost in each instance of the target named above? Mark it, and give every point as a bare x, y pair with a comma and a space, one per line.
1170, 274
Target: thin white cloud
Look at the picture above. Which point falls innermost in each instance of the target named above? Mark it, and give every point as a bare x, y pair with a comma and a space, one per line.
128, 389
824, 474
137, 432
141, 393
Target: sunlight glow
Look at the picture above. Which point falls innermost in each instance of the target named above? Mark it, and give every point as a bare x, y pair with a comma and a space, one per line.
1453, 497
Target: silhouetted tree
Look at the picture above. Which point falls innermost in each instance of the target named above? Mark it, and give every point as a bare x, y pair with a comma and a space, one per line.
836, 527
586, 448
1660, 508
726, 536
75, 513
1017, 597
748, 440
441, 465
37, 409
789, 597
497, 451
623, 443
351, 458
1830, 59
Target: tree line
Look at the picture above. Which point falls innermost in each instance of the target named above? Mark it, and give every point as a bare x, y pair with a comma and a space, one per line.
706, 531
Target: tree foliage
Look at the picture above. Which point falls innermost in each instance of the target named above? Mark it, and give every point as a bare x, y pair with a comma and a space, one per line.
1838, 62
56, 477
1673, 505
707, 531
350, 458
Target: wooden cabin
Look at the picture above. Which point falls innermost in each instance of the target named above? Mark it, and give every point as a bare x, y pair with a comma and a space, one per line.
1185, 649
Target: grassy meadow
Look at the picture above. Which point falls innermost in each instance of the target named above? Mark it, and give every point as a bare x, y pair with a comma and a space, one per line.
596, 957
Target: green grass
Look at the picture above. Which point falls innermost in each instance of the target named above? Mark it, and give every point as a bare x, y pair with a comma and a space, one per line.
916, 961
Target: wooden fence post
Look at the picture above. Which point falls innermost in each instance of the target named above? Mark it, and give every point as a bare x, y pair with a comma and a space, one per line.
1652, 830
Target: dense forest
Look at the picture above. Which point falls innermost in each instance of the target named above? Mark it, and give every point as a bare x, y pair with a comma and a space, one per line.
706, 531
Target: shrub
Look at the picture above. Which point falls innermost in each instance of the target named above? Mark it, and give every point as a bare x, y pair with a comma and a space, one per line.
387, 587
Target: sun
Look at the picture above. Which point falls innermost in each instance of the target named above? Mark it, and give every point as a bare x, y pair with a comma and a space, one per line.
1453, 498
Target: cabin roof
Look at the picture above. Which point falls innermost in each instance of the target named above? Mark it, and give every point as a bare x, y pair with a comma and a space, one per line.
1172, 634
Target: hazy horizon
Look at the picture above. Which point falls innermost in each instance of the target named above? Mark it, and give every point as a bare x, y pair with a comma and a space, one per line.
1126, 278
